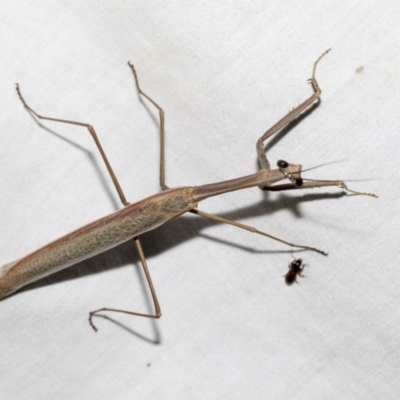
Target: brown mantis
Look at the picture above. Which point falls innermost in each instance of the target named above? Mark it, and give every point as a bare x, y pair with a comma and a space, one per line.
135, 219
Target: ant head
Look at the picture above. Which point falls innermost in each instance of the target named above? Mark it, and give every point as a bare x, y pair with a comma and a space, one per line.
291, 171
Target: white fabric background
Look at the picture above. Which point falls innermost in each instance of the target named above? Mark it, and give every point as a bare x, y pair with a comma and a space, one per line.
224, 72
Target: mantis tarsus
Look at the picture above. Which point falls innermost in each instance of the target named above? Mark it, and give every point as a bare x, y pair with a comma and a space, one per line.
135, 219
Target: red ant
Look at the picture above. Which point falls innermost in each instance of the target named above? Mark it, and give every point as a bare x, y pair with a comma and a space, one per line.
295, 268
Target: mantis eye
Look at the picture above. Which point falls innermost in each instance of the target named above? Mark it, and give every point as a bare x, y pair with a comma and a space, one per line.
282, 164
299, 182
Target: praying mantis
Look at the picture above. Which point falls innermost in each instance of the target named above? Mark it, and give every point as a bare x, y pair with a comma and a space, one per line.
134, 219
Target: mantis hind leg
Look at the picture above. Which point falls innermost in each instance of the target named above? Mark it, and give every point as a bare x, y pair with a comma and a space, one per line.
92, 133
136, 241
157, 309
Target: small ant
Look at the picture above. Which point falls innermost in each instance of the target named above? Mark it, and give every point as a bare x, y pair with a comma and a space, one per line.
295, 268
